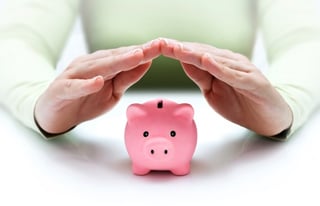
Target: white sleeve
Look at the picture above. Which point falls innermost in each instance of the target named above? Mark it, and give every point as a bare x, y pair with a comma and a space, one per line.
32, 37
291, 32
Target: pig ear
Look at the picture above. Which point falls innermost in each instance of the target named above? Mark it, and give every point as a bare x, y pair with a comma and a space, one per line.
135, 110
185, 111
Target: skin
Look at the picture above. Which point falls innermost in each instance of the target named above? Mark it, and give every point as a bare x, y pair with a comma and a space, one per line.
91, 85
232, 85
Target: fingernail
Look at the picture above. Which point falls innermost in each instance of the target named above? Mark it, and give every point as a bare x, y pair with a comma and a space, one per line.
97, 78
164, 40
148, 44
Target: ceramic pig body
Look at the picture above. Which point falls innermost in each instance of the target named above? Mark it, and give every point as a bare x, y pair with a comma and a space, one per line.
160, 135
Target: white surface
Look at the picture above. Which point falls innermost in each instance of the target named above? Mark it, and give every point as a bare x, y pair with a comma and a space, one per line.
90, 165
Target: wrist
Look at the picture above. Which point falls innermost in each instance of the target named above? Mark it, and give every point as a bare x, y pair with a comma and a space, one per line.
48, 135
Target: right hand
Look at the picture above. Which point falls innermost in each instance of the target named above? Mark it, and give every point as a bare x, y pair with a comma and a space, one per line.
92, 85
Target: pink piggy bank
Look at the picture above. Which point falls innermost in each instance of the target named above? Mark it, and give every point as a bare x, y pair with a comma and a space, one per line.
160, 135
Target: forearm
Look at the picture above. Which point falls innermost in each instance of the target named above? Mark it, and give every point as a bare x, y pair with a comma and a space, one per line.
291, 31
23, 79
32, 35
296, 77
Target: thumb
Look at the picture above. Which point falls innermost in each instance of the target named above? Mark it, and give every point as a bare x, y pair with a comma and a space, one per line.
75, 88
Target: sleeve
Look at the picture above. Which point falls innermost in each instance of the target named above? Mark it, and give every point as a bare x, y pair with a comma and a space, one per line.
291, 33
32, 37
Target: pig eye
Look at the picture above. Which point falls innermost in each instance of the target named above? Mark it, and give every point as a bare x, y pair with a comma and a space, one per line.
145, 133
173, 133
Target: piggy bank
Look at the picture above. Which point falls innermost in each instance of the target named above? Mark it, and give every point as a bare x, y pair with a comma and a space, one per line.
160, 135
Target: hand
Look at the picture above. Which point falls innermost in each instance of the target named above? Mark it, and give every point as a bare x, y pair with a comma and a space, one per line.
91, 85
233, 86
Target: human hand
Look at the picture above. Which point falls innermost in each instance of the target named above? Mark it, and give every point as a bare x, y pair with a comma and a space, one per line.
91, 85
233, 86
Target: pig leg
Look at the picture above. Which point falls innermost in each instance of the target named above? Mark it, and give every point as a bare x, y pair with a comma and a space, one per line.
138, 170
183, 169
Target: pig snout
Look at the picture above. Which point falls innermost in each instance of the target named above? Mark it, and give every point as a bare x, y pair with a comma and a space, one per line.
159, 149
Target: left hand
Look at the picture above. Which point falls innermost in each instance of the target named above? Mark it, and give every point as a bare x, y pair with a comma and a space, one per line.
233, 86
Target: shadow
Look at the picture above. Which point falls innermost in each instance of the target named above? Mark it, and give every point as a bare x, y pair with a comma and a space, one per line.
75, 152
248, 147
107, 157
160, 177
100, 158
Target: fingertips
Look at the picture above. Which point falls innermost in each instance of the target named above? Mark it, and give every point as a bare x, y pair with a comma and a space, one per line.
151, 49
94, 84
181, 51
89, 86
167, 47
114, 65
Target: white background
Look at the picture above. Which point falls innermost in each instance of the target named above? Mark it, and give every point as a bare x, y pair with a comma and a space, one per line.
90, 166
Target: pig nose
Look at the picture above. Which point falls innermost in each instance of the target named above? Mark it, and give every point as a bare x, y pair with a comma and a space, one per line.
159, 149
164, 151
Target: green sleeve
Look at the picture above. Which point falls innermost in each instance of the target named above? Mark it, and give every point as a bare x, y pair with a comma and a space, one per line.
291, 33
32, 37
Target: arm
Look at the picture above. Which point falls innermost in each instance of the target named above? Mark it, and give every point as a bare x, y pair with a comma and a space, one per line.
88, 87
233, 86
291, 31
276, 105
32, 36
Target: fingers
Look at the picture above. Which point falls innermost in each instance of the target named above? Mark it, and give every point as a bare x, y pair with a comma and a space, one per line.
108, 63
231, 68
114, 64
104, 66
87, 74
126, 79
150, 49
105, 53
202, 78
170, 46
69, 89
